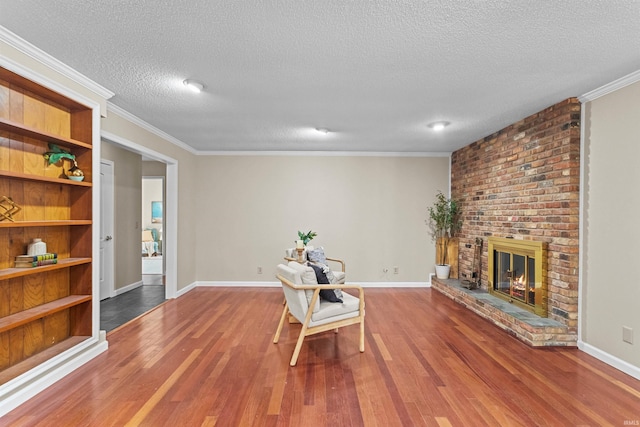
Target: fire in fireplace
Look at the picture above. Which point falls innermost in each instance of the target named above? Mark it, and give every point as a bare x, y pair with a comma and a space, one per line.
517, 273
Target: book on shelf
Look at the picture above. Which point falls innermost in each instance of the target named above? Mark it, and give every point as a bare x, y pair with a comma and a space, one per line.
32, 258
29, 264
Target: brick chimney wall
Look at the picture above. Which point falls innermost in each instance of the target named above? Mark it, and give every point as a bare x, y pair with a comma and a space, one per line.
523, 181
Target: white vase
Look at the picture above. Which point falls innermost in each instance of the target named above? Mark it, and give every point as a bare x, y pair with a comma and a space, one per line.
37, 247
442, 271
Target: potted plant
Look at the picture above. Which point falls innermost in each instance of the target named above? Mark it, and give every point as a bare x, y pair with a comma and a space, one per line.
445, 220
306, 237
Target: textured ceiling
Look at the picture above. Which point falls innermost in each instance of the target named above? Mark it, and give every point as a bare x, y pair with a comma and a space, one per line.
374, 72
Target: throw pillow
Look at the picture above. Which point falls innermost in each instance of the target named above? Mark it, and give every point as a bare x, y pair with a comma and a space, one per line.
317, 256
321, 277
330, 295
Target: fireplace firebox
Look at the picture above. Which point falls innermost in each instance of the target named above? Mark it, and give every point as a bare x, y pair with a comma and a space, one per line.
517, 270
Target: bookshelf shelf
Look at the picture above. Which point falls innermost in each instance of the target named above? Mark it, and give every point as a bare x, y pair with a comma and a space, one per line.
52, 223
11, 273
26, 316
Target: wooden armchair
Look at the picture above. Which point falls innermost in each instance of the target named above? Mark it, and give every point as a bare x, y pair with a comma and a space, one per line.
302, 301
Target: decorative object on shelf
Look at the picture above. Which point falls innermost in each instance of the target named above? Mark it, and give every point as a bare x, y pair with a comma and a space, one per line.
37, 247
8, 208
57, 154
306, 237
75, 173
29, 261
445, 220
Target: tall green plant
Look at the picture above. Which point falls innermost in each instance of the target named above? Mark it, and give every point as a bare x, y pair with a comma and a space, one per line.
445, 220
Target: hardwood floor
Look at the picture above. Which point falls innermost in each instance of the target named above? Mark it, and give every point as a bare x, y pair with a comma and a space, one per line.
207, 359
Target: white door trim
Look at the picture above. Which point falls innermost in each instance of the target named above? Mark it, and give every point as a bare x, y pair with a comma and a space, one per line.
170, 217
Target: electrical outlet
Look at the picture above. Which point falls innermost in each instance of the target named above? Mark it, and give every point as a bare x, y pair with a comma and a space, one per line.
627, 334
385, 270
259, 270
396, 270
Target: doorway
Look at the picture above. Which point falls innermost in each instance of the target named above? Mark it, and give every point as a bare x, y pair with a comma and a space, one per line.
152, 222
167, 248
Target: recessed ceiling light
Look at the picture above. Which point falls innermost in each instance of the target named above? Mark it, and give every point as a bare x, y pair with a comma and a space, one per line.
194, 85
438, 126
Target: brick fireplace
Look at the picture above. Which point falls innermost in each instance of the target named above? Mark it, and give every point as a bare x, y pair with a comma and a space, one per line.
522, 182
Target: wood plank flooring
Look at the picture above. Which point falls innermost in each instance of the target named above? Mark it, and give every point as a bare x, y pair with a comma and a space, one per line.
208, 359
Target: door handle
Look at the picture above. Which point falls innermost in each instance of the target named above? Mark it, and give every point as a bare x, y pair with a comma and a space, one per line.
108, 238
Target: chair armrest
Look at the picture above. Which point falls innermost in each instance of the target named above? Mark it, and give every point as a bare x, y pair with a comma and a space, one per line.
318, 288
342, 265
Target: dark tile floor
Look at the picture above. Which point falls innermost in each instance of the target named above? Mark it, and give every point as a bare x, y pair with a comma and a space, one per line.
122, 308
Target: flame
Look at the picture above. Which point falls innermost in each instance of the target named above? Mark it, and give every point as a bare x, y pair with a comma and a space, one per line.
519, 283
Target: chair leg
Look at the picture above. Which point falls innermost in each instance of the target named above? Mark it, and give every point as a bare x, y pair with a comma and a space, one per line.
296, 351
362, 335
284, 316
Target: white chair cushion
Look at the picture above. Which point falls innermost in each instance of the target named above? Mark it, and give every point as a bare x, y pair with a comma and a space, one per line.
332, 311
296, 299
308, 277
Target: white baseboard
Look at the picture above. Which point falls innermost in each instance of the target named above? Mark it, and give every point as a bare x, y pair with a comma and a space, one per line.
611, 360
186, 289
277, 284
24, 387
127, 288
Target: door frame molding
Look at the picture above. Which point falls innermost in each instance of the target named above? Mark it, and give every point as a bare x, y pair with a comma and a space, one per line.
170, 216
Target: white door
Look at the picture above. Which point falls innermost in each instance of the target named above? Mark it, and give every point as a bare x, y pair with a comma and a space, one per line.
106, 229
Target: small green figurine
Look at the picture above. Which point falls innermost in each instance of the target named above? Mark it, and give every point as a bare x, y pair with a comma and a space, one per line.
56, 154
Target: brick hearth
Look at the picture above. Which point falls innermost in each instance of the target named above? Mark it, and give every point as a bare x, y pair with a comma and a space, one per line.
524, 325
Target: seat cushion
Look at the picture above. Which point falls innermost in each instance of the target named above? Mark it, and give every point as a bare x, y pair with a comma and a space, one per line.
330, 312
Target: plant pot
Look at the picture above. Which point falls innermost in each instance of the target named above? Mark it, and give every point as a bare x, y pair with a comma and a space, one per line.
442, 271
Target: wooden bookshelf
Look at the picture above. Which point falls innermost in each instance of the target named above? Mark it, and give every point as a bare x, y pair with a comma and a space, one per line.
44, 310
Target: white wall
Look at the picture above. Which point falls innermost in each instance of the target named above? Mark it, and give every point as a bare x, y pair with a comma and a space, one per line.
369, 211
611, 230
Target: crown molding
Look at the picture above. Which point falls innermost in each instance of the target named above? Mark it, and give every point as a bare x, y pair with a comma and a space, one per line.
144, 125
610, 87
44, 58
141, 123
324, 153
